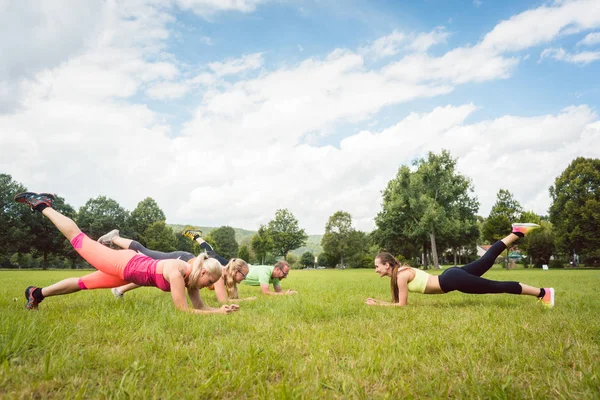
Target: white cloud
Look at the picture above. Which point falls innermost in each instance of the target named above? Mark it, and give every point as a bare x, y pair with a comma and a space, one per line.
591, 39
235, 66
207, 41
423, 41
210, 7
524, 30
167, 90
560, 54
246, 152
385, 46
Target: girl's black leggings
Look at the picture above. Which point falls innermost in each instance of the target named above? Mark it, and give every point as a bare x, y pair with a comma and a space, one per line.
181, 255
467, 279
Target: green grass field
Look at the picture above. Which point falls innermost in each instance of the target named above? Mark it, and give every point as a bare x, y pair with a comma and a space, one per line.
323, 343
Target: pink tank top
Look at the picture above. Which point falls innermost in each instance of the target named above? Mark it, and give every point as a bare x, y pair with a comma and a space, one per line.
145, 271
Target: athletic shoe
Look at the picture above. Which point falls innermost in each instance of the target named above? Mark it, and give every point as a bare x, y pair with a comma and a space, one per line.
117, 293
35, 199
107, 239
548, 299
523, 227
32, 303
192, 233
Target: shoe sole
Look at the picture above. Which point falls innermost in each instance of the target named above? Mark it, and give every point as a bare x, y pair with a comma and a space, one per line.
552, 297
110, 235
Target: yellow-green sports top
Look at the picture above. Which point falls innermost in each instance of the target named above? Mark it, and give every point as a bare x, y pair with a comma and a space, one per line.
419, 283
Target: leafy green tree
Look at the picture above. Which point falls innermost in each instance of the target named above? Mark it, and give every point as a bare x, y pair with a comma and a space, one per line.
358, 250
285, 233
293, 261
244, 253
307, 259
160, 237
223, 241
101, 215
14, 231
540, 244
336, 240
145, 214
430, 203
504, 212
261, 243
575, 209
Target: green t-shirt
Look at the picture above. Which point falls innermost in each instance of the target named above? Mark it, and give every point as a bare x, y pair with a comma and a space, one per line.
260, 274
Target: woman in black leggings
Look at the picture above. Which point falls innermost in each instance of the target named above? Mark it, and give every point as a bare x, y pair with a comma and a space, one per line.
466, 279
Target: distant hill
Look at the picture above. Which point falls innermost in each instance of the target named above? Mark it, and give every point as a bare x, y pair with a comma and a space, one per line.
243, 236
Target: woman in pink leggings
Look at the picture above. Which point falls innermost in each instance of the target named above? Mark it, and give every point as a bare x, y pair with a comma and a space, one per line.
118, 267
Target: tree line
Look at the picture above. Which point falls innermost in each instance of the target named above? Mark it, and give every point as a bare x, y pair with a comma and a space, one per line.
428, 215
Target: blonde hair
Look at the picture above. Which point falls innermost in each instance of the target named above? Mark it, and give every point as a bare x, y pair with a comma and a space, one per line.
203, 262
395, 264
234, 265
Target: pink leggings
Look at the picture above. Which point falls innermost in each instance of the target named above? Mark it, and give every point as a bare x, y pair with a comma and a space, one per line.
109, 263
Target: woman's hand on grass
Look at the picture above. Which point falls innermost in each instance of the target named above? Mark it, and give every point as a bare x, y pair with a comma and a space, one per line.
372, 302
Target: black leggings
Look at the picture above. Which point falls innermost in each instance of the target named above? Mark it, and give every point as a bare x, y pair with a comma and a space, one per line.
181, 255
467, 279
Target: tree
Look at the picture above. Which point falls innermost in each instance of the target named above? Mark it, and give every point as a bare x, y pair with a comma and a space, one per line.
540, 244
223, 241
575, 209
504, 212
14, 232
145, 214
101, 215
285, 233
244, 253
429, 203
261, 243
336, 240
307, 259
160, 237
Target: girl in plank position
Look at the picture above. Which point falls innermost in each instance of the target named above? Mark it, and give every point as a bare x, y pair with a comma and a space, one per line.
466, 279
119, 267
234, 270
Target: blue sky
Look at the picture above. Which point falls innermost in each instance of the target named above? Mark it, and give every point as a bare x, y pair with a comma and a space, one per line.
225, 111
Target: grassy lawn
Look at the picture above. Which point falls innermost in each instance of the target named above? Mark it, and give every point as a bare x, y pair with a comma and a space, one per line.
323, 343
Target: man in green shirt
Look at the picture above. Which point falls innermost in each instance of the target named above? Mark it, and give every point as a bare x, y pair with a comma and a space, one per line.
264, 275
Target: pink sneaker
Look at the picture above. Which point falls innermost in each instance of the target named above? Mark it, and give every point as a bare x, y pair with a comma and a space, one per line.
548, 299
524, 227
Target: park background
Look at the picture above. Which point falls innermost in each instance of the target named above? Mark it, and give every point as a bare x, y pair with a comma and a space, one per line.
298, 129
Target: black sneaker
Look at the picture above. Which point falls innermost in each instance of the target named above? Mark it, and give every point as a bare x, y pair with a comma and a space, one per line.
35, 199
32, 303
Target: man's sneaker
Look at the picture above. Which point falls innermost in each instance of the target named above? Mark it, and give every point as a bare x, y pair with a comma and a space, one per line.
117, 293
192, 233
107, 239
32, 303
523, 227
548, 299
35, 199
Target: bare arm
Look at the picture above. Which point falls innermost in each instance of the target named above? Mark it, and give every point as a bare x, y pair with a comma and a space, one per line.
265, 290
201, 308
403, 277
220, 290
178, 293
